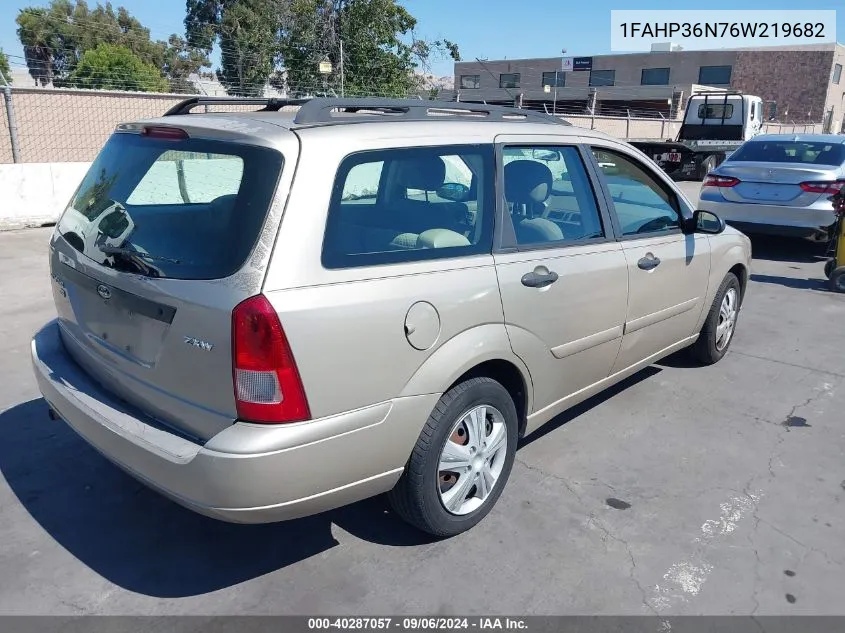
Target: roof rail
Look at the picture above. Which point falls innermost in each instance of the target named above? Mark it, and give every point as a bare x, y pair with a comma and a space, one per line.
319, 111
271, 104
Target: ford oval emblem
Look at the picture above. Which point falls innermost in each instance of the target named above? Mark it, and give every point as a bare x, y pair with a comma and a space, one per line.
104, 292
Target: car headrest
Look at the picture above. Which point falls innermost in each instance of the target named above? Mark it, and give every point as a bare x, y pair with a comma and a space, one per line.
441, 238
224, 202
527, 181
538, 230
422, 172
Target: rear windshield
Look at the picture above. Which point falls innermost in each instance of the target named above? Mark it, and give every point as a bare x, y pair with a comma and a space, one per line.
715, 111
790, 152
181, 209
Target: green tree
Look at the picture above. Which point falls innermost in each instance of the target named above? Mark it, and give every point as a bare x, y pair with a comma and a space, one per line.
111, 67
248, 34
45, 34
56, 37
4, 67
180, 62
381, 51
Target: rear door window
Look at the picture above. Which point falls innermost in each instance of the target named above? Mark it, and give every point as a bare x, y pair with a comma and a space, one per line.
411, 204
549, 196
182, 209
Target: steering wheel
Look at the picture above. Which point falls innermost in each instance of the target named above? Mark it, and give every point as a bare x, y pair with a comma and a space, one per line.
657, 224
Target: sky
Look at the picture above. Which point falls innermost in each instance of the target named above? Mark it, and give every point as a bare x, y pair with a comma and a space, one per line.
492, 29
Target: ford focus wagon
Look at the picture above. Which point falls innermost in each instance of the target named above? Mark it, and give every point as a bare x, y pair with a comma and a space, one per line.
268, 314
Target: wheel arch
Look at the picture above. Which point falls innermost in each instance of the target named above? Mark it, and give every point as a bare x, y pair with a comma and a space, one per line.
510, 377
727, 256
741, 272
480, 351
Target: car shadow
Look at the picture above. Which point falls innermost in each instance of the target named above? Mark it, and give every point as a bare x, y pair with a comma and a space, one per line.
782, 249
145, 543
679, 360
579, 409
792, 282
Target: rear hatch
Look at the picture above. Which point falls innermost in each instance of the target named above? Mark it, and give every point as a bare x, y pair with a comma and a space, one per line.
782, 173
149, 260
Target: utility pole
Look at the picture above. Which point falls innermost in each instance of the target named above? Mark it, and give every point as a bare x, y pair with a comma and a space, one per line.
554, 107
10, 115
342, 91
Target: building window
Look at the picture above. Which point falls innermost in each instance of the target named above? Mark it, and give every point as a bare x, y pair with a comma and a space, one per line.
602, 77
470, 82
837, 73
655, 77
509, 80
714, 75
555, 78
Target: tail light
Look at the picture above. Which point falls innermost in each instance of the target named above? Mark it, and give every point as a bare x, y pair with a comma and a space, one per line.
720, 181
268, 388
823, 187
164, 132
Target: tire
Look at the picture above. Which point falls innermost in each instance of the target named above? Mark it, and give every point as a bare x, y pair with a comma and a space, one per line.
419, 496
706, 166
710, 348
828, 267
837, 279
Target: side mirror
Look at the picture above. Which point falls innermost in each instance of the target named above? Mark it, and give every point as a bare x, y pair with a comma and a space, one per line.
706, 222
454, 191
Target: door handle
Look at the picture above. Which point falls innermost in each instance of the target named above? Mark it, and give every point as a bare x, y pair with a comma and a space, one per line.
539, 280
649, 262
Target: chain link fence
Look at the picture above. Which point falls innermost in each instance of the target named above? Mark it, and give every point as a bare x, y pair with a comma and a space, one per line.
71, 125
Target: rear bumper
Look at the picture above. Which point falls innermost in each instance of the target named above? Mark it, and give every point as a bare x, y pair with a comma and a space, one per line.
248, 473
814, 222
815, 234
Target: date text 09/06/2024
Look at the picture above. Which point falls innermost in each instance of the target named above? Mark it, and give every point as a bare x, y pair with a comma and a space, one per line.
417, 624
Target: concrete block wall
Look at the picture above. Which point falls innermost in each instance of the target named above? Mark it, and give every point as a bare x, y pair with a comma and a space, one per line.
37, 193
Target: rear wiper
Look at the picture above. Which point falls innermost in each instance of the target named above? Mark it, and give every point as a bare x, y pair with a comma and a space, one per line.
128, 252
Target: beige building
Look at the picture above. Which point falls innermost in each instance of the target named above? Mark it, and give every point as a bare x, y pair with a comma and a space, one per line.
799, 84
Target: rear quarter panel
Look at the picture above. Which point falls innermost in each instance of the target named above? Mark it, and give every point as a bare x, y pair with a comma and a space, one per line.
346, 327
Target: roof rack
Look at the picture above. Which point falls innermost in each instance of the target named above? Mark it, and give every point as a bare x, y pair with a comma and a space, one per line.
328, 110
323, 111
271, 104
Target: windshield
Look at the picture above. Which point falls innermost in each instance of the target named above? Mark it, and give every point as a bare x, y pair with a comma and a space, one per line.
810, 153
182, 209
715, 111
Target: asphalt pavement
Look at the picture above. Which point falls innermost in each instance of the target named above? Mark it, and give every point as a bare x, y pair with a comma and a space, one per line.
684, 490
